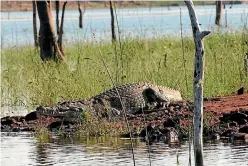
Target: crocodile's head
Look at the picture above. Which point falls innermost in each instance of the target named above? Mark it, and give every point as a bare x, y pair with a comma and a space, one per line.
161, 94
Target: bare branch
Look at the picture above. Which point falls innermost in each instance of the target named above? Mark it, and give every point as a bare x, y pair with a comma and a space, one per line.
61, 31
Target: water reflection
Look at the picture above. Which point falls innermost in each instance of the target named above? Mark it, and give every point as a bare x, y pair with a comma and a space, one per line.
25, 149
42, 157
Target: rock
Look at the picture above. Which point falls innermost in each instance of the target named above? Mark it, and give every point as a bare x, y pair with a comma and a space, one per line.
172, 136
239, 136
57, 125
244, 111
17, 120
31, 116
151, 132
215, 136
146, 130
16, 129
155, 136
240, 118
233, 124
169, 123
236, 116
244, 129
224, 117
211, 99
6, 128
228, 133
6, 121
241, 91
242, 122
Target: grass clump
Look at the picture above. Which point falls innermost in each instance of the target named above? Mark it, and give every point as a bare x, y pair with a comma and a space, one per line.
26, 80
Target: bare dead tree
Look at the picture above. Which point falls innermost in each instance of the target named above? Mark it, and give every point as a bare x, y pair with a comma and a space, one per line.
49, 49
198, 83
57, 15
35, 25
81, 13
112, 21
218, 12
61, 31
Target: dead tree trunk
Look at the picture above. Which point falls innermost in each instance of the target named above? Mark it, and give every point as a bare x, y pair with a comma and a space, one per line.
218, 12
198, 83
61, 31
81, 13
35, 25
112, 21
48, 45
57, 15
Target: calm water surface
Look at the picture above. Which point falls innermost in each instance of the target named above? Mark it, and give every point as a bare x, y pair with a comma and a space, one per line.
17, 29
22, 149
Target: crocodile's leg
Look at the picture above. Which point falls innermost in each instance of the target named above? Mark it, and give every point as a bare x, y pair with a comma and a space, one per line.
153, 98
114, 115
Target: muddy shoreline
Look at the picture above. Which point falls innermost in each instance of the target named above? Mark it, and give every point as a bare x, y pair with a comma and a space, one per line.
224, 118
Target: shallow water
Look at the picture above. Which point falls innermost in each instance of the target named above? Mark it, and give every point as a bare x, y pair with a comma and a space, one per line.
13, 111
24, 149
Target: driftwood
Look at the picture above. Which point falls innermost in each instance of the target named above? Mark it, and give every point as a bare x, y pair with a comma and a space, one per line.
198, 83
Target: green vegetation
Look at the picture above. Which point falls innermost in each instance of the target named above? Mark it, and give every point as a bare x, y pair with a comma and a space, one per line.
26, 80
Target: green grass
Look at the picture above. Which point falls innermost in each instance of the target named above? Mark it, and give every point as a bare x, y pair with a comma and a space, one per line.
25, 79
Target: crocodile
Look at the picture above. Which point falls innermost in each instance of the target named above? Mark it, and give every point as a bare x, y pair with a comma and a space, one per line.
128, 98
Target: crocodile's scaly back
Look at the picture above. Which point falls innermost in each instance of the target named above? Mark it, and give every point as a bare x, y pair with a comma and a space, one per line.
137, 95
134, 97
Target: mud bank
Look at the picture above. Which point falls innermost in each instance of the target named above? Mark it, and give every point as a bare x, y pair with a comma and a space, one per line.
224, 118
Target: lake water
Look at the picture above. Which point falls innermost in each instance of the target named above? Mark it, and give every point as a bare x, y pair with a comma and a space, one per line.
23, 149
16, 27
